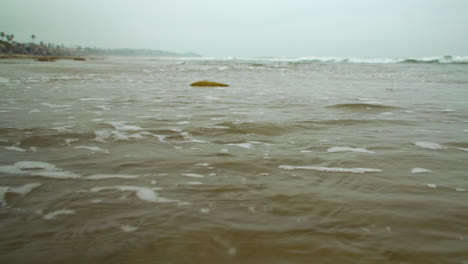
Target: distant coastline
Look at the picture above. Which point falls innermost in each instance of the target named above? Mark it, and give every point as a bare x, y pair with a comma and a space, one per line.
14, 50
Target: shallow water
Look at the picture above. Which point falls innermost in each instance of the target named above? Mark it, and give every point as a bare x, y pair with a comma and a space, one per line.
122, 161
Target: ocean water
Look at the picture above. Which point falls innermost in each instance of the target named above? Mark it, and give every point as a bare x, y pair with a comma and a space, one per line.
303, 160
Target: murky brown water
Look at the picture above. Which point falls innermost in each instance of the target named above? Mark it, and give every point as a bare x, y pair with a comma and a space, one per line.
122, 161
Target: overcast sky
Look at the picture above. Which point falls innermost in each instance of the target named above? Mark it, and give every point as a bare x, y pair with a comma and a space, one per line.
248, 28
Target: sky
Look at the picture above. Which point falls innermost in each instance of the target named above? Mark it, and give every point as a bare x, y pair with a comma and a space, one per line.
248, 28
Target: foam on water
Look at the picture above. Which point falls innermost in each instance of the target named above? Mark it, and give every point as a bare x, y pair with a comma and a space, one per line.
127, 228
205, 210
431, 185
111, 176
122, 126
340, 149
96, 149
68, 141
55, 106
211, 97
102, 107
464, 149
242, 145
102, 135
420, 170
37, 168
195, 183
21, 190
328, 169
143, 193
429, 145
161, 138
118, 136
95, 99
182, 123
54, 214
57, 174
189, 138
14, 148
193, 175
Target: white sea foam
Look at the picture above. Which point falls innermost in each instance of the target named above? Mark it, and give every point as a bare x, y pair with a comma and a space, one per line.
183, 123
102, 107
432, 131
328, 169
122, 126
460, 190
193, 175
31, 165
94, 99
54, 214
127, 228
21, 190
143, 193
464, 149
205, 210
34, 111
218, 127
430, 145
189, 138
340, 149
136, 136
14, 148
95, 149
211, 97
102, 135
37, 168
111, 176
420, 170
118, 136
195, 183
70, 140
242, 145
57, 174
431, 185
62, 128
54, 105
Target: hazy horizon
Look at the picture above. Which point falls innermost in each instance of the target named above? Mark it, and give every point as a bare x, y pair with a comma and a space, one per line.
295, 28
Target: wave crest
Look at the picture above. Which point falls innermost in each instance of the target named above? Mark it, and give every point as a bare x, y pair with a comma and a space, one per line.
448, 59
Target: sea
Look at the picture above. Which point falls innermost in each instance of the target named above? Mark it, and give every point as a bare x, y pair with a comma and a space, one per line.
299, 160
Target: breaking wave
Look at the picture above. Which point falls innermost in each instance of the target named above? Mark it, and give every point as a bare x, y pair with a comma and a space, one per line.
448, 59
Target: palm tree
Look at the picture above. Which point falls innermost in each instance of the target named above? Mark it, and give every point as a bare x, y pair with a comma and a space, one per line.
10, 37
33, 37
2, 34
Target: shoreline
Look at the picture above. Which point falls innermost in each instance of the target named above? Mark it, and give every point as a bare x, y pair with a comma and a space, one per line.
45, 58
